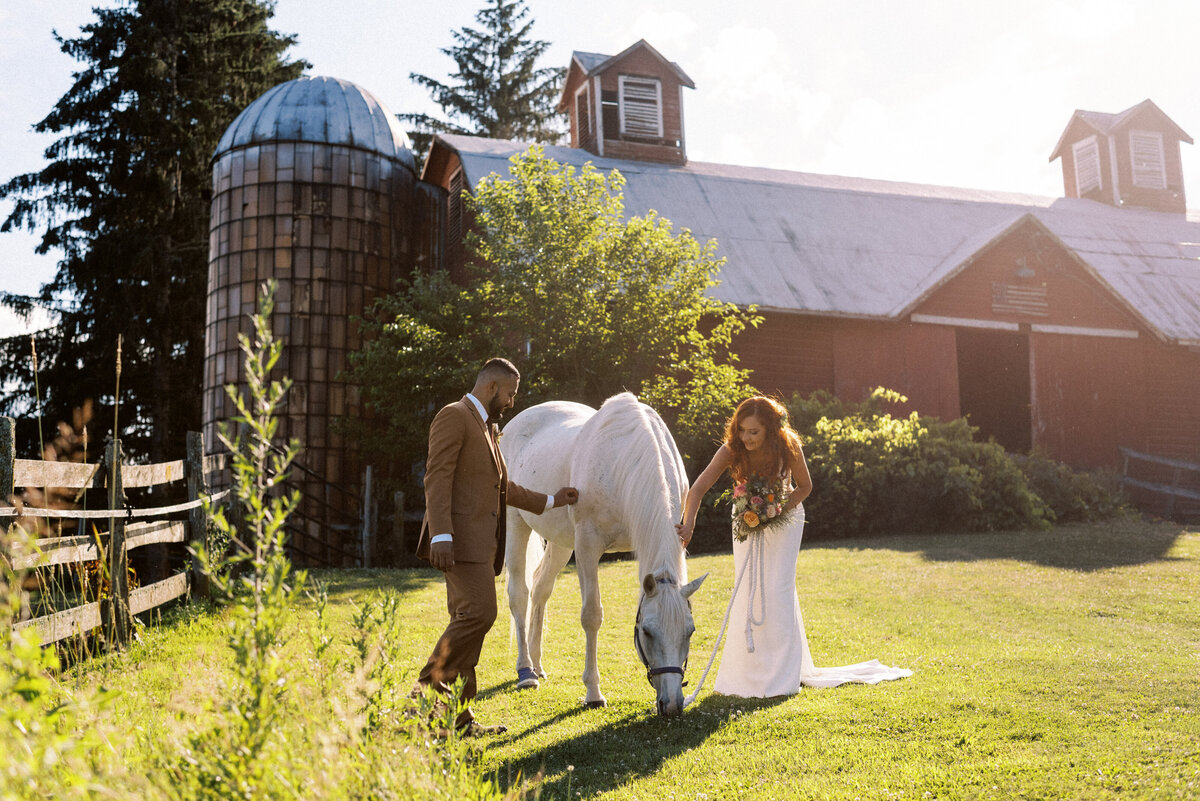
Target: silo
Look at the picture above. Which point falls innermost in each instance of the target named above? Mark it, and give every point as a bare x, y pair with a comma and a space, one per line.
314, 185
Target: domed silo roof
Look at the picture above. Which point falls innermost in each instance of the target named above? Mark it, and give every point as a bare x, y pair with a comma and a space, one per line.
322, 110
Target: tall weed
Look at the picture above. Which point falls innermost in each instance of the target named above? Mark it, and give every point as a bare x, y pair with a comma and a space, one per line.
242, 754
45, 751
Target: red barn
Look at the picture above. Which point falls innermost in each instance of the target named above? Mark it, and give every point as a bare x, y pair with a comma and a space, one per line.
1068, 324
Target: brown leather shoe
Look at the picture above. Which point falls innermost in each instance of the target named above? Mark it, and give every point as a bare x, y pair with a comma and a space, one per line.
475, 729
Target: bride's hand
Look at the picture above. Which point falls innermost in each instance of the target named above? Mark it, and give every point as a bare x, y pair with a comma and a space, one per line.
685, 532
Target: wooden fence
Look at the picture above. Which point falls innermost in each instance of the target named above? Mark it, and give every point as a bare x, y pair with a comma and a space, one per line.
1174, 480
127, 529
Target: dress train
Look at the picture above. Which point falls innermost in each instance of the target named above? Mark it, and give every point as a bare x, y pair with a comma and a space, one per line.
766, 650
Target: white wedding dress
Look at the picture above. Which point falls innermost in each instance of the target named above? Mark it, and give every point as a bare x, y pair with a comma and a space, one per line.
766, 650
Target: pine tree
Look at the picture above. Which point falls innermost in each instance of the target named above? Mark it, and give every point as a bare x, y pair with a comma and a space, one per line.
500, 91
125, 197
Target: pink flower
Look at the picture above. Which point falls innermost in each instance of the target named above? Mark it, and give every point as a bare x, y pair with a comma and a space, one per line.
757, 500
739, 490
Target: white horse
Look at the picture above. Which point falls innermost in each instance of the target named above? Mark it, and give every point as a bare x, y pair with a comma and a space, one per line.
631, 485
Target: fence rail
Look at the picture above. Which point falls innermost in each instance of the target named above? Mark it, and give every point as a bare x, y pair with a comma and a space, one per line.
119, 528
1180, 471
113, 613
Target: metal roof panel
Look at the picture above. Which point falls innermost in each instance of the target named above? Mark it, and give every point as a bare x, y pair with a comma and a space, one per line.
858, 247
322, 110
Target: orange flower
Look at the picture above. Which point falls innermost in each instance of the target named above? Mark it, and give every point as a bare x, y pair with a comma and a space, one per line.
770, 497
750, 518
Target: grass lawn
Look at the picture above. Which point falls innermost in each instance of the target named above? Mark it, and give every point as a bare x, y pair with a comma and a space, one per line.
1061, 664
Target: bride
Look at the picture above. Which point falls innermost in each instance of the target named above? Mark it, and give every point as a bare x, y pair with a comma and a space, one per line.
766, 653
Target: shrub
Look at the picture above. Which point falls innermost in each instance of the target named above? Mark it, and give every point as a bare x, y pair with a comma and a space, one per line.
1073, 497
875, 473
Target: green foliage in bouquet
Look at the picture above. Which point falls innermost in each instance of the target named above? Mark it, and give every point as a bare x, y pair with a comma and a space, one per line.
757, 507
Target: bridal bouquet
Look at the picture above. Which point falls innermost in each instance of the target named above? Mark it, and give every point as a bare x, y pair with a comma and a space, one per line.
758, 506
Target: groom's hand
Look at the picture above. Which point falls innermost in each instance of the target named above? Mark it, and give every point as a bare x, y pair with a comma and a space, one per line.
565, 497
441, 555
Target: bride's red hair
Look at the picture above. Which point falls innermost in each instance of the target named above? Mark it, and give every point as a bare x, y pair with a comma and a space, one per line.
782, 442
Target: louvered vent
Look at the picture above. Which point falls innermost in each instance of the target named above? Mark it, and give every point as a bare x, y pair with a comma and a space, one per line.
1087, 165
454, 216
641, 107
583, 130
1146, 157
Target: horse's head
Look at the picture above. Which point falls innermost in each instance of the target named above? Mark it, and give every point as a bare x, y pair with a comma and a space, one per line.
662, 634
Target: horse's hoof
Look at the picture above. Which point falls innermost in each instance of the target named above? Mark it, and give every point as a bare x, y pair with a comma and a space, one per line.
526, 679
595, 704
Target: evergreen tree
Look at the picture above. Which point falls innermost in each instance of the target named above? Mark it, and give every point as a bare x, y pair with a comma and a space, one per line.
125, 197
500, 91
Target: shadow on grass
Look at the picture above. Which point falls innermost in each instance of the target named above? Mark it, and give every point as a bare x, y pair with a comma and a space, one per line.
343, 581
626, 750
1083, 547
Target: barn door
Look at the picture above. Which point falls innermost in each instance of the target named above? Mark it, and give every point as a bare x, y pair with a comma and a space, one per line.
993, 385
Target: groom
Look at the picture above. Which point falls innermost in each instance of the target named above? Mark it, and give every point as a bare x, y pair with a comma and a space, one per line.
466, 492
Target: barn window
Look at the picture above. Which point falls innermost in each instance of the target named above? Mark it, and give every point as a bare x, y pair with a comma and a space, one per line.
1087, 165
610, 111
1146, 158
583, 116
641, 106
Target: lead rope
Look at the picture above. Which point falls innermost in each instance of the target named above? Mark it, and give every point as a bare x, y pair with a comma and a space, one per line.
717, 645
758, 580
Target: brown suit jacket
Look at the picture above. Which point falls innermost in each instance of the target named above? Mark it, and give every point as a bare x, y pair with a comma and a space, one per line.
467, 488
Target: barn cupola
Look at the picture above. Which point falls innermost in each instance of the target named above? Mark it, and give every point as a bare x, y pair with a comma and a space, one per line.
627, 106
1126, 159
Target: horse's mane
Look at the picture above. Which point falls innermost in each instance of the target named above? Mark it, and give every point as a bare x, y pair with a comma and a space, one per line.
646, 453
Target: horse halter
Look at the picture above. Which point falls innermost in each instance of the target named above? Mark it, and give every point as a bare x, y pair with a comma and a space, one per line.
637, 641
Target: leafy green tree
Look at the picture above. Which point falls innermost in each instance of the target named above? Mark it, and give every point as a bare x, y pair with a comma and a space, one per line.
498, 90
421, 349
125, 197
585, 302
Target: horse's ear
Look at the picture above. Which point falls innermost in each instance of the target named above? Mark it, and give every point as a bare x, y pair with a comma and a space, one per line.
649, 585
692, 586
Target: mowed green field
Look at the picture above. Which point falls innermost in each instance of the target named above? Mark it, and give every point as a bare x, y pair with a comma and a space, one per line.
1061, 664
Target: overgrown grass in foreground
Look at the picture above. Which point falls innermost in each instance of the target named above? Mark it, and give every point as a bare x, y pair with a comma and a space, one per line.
278, 722
1056, 664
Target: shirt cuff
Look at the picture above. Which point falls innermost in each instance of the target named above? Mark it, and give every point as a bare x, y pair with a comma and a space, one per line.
441, 538
549, 504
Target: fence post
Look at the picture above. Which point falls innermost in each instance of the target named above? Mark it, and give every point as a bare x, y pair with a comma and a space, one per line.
8, 455
368, 527
398, 527
197, 487
115, 614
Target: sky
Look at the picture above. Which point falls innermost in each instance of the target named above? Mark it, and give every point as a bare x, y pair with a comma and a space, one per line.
950, 92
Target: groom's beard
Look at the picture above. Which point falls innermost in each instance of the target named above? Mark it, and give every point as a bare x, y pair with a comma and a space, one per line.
495, 410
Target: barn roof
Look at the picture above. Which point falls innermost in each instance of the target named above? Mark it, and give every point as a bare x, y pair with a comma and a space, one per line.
1105, 123
832, 245
593, 63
